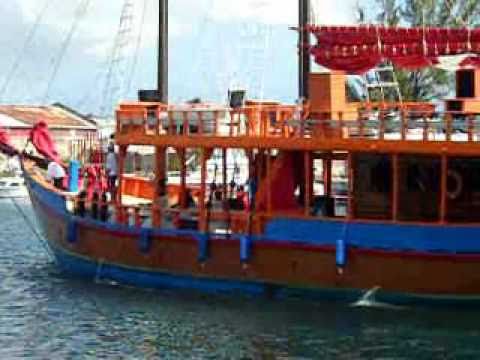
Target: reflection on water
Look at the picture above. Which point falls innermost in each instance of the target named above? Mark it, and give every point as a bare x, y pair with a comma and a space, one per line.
46, 315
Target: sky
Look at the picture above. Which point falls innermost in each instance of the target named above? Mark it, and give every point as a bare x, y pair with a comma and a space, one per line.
55, 50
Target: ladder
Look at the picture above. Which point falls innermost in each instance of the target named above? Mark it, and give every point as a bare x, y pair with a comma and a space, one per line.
382, 85
115, 84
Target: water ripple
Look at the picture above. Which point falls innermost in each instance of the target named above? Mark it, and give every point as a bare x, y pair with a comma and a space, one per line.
45, 314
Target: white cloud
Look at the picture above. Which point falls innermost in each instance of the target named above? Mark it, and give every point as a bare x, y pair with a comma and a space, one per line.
335, 12
282, 11
198, 28
100, 25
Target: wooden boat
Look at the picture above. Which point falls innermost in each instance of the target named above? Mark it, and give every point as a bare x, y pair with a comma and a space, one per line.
412, 221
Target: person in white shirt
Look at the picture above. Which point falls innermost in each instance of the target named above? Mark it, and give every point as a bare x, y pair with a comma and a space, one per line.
56, 174
111, 167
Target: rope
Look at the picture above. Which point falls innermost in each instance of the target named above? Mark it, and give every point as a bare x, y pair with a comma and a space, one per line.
137, 47
115, 57
98, 271
34, 231
21, 54
79, 15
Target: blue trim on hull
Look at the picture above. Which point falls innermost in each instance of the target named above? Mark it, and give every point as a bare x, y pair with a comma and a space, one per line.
152, 279
450, 239
88, 269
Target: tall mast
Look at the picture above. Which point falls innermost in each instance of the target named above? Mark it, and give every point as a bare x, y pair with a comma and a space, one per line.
303, 53
162, 75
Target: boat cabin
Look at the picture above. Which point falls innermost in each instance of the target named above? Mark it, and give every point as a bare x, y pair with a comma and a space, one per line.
325, 158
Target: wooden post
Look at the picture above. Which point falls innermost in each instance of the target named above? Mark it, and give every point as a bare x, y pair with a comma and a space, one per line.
183, 177
203, 187
341, 125
471, 127
350, 172
224, 175
160, 185
308, 181
215, 125
269, 182
121, 169
327, 176
201, 125
443, 188
381, 135
185, 123
404, 125
425, 128
395, 187
448, 126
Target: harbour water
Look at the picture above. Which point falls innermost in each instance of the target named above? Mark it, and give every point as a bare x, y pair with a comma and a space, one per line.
45, 314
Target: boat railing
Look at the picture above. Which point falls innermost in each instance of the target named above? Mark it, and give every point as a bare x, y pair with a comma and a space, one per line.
292, 122
117, 213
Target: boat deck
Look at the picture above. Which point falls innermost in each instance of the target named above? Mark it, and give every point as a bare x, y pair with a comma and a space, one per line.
284, 127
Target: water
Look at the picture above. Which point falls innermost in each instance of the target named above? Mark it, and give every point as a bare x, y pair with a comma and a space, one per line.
44, 314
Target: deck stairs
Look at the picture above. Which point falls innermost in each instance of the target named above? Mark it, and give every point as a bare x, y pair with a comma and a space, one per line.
382, 85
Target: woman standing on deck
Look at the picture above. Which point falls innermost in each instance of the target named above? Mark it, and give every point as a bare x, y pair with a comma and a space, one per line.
56, 174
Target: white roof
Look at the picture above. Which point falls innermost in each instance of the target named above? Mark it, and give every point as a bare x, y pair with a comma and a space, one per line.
9, 122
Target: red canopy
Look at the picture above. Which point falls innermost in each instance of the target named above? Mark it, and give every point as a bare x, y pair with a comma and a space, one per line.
358, 49
43, 142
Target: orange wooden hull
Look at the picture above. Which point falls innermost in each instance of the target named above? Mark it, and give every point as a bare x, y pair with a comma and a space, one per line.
272, 265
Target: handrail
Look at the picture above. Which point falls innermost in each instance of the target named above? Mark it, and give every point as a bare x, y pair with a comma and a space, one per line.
290, 122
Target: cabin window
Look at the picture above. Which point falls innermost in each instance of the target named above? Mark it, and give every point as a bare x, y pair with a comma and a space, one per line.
330, 185
463, 190
419, 188
372, 186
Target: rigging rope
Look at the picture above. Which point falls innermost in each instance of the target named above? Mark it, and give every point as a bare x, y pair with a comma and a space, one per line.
34, 231
116, 57
137, 47
21, 54
80, 13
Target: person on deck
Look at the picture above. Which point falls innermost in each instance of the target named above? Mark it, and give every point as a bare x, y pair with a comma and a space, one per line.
56, 174
111, 167
104, 211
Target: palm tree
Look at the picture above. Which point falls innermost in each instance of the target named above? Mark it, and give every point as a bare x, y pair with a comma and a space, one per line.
426, 84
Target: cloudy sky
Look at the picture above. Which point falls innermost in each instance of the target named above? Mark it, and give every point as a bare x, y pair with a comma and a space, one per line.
61, 50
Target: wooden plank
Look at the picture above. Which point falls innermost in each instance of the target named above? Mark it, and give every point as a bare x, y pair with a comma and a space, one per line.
269, 181
121, 169
351, 175
203, 187
395, 186
443, 189
308, 181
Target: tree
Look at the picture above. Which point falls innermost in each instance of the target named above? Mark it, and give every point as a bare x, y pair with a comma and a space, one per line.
426, 84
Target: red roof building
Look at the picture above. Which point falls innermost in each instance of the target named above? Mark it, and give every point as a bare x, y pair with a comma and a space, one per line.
68, 127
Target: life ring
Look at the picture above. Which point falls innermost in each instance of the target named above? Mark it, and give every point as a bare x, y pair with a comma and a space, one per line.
458, 185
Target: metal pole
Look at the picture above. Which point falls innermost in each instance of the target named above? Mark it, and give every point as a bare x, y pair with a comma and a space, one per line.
162, 85
303, 53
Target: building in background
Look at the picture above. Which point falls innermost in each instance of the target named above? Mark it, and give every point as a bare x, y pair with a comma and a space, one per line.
69, 128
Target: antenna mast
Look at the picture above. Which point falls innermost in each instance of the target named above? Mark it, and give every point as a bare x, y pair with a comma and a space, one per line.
162, 76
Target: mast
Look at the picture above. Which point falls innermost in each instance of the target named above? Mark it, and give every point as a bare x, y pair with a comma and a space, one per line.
162, 75
303, 53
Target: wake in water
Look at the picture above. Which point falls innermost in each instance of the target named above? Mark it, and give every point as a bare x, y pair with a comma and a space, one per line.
368, 300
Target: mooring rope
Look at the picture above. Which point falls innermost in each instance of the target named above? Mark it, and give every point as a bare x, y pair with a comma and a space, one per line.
98, 271
32, 228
